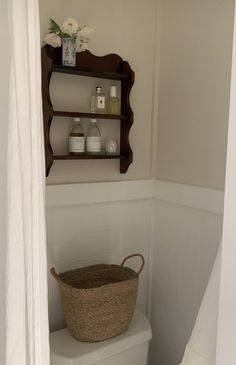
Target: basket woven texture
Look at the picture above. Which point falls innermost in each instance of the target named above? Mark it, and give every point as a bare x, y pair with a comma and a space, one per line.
98, 301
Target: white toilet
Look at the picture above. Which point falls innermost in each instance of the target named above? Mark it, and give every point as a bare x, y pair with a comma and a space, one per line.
130, 348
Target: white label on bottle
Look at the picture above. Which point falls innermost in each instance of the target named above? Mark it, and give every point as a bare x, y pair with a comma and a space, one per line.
101, 102
76, 144
93, 144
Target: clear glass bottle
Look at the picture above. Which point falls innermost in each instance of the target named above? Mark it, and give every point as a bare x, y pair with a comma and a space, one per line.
93, 139
76, 138
98, 101
113, 105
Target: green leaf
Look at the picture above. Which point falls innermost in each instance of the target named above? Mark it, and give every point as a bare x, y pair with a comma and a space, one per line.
54, 27
65, 35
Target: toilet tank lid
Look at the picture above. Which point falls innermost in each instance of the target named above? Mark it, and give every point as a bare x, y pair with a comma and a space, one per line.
66, 350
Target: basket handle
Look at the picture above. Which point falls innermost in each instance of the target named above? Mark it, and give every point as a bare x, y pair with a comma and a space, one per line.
134, 255
56, 276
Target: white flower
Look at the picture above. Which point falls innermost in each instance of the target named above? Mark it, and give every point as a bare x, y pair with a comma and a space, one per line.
53, 40
84, 45
85, 32
70, 26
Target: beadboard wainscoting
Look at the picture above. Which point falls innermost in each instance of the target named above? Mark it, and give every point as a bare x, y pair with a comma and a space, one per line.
176, 227
186, 232
97, 223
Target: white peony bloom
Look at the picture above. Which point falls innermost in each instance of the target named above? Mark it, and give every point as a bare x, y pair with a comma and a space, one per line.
85, 32
53, 40
70, 26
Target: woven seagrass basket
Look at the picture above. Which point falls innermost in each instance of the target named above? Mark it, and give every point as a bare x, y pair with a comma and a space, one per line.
98, 301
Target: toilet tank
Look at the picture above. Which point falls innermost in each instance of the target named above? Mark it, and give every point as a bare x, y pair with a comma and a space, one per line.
130, 348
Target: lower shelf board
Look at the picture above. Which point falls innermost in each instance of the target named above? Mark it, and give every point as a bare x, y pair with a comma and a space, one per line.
86, 156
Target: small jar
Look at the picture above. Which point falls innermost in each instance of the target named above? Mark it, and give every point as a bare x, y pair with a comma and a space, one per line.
111, 146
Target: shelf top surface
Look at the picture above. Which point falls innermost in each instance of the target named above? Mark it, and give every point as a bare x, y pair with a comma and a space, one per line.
103, 75
87, 156
59, 113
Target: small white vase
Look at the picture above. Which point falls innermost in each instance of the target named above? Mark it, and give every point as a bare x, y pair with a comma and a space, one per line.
68, 51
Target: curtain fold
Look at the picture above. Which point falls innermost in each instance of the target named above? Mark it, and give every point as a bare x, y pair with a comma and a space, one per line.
27, 308
201, 348
4, 77
226, 331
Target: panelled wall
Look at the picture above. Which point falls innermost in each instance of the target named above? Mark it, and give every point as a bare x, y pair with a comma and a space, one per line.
187, 224
176, 227
97, 223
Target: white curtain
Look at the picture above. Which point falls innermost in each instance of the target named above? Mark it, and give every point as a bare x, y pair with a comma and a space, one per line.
201, 348
4, 84
26, 299
226, 335
213, 340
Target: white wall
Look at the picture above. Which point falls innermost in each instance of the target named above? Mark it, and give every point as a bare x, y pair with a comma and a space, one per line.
190, 146
176, 227
125, 27
194, 86
190, 121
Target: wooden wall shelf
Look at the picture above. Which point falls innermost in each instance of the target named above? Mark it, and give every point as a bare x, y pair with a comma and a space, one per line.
111, 67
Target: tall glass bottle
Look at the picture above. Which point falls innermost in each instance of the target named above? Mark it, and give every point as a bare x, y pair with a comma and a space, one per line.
98, 101
93, 139
113, 104
76, 138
